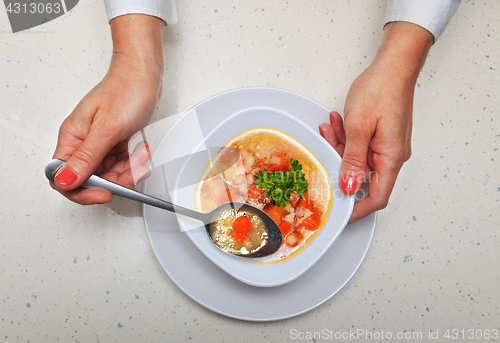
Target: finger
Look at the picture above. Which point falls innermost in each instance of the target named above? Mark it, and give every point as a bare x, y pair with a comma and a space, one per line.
130, 171
125, 161
119, 148
70, 137
86, 196
107, 163
86, 158
135, 175
338, 125
118, 154
123, 147
140, 155
123, 158
130, 177
379, 191
328, 133
354, 162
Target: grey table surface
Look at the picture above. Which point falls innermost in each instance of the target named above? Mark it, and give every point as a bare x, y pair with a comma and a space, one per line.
87, 274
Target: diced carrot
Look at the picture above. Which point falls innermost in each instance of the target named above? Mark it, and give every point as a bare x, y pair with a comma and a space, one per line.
312, 222
285, 228
239, 236
293, 239
275, 212
241, 224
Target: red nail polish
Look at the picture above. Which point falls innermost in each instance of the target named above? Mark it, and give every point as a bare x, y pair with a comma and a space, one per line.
348, 185
66, 177
146, 144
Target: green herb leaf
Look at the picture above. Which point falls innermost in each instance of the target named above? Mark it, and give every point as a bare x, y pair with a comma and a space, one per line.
280, 185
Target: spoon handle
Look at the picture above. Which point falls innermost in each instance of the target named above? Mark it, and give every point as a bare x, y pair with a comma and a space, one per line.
98, 182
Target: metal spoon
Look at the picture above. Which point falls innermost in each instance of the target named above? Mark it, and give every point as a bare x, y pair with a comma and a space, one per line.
274, 240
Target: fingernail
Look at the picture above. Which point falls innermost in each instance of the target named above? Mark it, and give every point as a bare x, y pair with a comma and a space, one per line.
146, 144
348, 185
320, 131
66, 177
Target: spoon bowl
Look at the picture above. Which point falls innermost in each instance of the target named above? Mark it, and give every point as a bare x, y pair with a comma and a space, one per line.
274, 236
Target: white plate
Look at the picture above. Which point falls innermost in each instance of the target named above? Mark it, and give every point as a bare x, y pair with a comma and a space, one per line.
246, 270
204, 282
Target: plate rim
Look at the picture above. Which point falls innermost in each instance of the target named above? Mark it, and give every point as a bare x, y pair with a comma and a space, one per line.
195, 298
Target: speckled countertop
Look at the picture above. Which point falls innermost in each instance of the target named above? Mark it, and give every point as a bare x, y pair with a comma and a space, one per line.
88, 274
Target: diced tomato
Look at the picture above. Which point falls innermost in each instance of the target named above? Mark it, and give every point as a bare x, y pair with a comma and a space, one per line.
312, 222
293, 239
306, 197
285, 228
241, 224
275, 212
304, 202
254, 191
280, 167
239, 236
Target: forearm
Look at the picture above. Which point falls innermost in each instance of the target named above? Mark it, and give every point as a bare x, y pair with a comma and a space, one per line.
403, 51
137, 42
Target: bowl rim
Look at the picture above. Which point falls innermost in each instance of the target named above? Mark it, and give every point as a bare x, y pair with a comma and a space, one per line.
303, 126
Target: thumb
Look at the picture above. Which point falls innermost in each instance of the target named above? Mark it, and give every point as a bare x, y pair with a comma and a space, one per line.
84, 161
354, 162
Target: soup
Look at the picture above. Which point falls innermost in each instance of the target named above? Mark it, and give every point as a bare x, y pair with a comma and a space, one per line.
263, 152
239, 232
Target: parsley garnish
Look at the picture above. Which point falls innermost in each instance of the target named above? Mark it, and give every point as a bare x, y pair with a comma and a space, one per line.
280, 185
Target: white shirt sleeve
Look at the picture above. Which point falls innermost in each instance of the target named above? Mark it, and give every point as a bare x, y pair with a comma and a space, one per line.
432, 15
164, 9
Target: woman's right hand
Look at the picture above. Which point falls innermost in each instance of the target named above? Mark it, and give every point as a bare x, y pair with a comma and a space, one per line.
93, 139
374, 137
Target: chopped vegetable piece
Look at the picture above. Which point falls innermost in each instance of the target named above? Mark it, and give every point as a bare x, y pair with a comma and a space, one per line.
312, 222
239, 236
304, 203
285, 228
283, 166
294, 199
254, 191
275, 212
293, 239
241, 224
